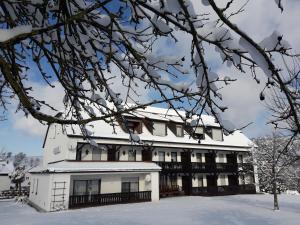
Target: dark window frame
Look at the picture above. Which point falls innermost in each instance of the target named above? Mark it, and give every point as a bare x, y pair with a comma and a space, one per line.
86, 185
172, 154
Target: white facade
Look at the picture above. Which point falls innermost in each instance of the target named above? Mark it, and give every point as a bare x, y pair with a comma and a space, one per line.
71, 163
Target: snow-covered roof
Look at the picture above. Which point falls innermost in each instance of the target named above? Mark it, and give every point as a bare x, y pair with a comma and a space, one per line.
6, 167
101, 129
92, 166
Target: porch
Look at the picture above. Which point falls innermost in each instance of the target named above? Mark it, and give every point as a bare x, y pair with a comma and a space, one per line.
79, 201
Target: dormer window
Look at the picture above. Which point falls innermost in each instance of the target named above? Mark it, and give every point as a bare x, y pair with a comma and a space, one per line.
215, 133
159, 129
198, 133
134, 126
179, 130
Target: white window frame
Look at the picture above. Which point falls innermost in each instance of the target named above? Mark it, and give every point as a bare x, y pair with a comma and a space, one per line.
160, 130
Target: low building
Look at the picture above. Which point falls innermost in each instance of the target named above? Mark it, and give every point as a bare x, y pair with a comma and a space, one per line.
172, 158
6, 167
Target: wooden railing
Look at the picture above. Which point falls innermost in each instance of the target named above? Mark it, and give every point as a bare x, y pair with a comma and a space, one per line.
245, 167
202, 167
170, 166
77, 201
196, 167
224, 190
226, 167
168, 188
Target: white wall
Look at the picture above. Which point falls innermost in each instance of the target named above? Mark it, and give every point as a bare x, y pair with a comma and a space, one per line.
57, 145
39, 191
4, 182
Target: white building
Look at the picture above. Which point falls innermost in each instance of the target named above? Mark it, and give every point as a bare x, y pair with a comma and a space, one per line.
167, 160
6, 167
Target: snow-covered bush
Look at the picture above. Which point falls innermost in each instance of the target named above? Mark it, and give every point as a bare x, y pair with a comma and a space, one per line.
18, 177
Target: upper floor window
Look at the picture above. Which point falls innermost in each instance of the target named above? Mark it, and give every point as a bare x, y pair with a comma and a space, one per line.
198, 132
222, 158
215, 133
161, 156
199, 157
134, 126
240, 158
159, 129
131, 155
173, 156
179, 130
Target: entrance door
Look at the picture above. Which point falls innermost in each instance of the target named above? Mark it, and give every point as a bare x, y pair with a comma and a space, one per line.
233, 180
211, 184
187, 185
111, 154
147, 155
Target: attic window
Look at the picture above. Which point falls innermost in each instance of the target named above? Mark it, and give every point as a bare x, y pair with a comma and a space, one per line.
134, 126
215, 133
159, 129
179, 131
198, 133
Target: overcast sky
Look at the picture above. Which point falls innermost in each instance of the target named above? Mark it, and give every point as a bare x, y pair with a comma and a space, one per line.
259, 20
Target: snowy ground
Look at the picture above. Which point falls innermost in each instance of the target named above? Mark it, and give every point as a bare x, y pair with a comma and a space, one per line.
233, 210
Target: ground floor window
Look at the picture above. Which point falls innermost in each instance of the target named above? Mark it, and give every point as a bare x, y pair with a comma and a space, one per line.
130, 184
200, 181
86, 187
222, 180
173, 180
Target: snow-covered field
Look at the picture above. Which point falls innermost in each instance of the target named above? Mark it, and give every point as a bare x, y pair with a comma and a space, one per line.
233, 210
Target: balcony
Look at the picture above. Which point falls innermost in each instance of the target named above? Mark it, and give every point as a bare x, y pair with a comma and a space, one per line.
224, 190
245, 167
202, 167
170, 166
169, 190
226, 167
78, 201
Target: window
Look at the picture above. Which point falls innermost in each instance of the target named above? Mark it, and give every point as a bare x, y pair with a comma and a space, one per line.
173, 180
222, 180
96, 155
131, 155
159, 129
37, 186
240, 158
222, 158
217, 134
33, 183
179, 131
173, 156
134, 126
199, 157
130, 184
200, 181
198, 133
161, 156
86, 187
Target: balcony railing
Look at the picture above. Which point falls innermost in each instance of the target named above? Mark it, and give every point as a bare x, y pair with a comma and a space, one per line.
224, 190
77, 201
226, 167
245, 167
171, 166
202, 167
168, 188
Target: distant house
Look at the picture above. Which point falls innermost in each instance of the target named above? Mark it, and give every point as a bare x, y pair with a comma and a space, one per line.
169, 159
6, 167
